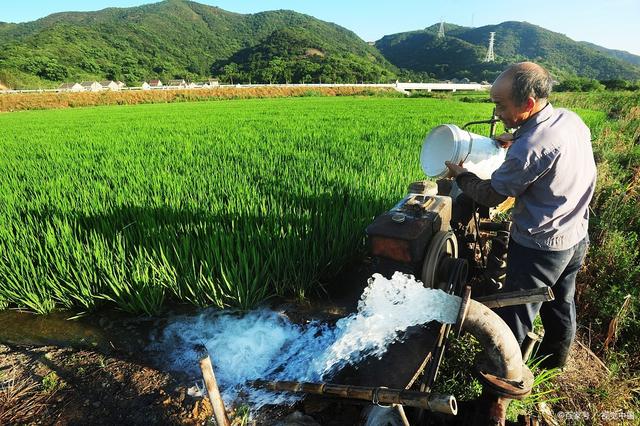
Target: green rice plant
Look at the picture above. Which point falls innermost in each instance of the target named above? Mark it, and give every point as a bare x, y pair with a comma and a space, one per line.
208, 203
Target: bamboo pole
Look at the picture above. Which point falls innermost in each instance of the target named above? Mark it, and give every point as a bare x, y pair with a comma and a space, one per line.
403, 415
378, 395
219, 412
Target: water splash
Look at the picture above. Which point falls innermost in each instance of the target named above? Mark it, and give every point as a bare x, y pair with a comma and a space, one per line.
265, 345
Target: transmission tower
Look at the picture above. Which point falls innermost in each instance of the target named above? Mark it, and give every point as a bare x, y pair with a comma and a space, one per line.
490, 55
441, 30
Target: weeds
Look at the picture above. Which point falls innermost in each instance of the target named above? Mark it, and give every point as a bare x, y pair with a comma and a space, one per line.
19, 399
52, 383
542, 391
612, 269
39, 101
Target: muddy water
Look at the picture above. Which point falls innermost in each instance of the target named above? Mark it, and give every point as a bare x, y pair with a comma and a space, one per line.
105, 331
111, 329
24, 328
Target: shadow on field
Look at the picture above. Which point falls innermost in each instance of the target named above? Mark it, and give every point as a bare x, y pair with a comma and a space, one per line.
281, 244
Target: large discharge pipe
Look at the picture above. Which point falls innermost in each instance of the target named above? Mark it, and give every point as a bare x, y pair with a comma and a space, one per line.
502, 355
501, 370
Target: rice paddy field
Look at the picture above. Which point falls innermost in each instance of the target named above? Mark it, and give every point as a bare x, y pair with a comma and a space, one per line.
222, 203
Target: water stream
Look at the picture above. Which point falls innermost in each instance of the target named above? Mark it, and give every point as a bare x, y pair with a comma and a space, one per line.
262, 344
265, 344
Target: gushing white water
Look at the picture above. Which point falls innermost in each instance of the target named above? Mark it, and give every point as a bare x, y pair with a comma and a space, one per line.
265, 345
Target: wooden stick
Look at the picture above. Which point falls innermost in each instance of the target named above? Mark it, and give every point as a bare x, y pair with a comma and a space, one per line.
593, 355
219, 412
403, 415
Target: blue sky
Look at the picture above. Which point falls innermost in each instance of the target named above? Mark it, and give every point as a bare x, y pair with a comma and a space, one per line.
610, 23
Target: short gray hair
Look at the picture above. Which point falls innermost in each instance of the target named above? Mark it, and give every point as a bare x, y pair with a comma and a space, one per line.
529, 81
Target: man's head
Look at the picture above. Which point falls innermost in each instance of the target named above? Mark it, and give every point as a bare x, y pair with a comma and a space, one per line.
519, 92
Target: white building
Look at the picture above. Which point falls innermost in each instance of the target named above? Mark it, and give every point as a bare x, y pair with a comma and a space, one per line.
177, 83
155, 83
70, 87
109, 85
91, 86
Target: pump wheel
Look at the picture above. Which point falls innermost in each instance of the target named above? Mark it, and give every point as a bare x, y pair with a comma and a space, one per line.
443, 244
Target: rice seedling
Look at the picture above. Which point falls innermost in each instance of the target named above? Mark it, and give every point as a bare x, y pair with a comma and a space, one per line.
208, 203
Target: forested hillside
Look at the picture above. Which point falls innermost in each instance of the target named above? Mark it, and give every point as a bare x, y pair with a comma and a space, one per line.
461, 51
185, 39
171, 39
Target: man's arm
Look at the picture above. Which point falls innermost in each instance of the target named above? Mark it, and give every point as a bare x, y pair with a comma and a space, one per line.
479, 190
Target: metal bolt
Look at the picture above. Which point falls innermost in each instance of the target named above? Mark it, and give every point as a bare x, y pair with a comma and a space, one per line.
398, 217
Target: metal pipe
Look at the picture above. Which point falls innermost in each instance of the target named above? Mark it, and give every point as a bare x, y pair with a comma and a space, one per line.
503, 374
500, 300
445, 404
489, 121
529, 344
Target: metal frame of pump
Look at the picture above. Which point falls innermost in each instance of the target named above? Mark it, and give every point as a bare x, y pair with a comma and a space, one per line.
460, 260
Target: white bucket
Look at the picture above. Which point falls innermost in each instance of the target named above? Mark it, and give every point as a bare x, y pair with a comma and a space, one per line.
480, 155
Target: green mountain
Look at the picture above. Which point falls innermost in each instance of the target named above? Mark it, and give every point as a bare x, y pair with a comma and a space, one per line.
170, 39
623, 55
295, 55
462, 50
185, 39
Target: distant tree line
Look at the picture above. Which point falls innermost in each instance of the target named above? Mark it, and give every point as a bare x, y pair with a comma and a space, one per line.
582, 84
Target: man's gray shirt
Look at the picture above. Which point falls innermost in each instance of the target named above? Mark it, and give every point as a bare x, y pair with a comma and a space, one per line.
551, 172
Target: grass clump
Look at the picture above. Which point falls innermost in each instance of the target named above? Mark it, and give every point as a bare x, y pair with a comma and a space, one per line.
612, 269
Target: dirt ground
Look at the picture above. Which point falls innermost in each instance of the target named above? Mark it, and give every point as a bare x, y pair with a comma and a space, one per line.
590, 394
48, 385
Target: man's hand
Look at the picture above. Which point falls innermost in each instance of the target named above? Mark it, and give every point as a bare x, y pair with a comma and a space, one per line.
504, 140
454, 169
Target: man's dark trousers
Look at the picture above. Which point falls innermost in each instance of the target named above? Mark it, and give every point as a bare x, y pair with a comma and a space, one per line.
529, 268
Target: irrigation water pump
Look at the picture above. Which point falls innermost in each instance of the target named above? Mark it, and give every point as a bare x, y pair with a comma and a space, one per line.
441, 236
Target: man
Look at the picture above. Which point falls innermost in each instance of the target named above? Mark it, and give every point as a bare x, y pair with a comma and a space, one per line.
550, 170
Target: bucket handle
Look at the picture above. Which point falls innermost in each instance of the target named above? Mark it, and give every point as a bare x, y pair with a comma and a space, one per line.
470, 147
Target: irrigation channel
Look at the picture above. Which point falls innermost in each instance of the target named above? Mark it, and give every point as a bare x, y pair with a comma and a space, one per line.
283, 343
